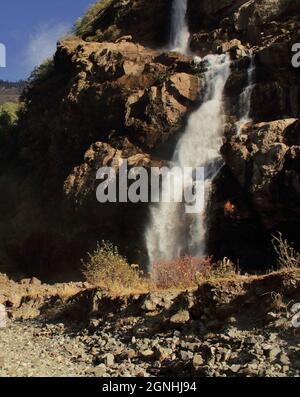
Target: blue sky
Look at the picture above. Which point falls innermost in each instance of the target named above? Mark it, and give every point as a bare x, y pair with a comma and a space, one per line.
29, 30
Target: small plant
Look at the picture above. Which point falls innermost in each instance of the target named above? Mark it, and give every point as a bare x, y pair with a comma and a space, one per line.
184, 272
277, 302
287, 256
223, 268
107, 268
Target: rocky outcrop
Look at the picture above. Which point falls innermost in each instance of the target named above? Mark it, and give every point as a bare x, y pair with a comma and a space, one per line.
115, 93
147, 25
258, 175
254, 23
98, 103
262, 183
265, 160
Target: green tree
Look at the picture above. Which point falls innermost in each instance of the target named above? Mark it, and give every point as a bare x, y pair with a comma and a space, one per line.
8, 116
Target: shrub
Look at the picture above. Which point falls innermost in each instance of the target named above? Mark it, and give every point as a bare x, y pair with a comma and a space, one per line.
287, 256
84, 25
107, 268
8, 115
42, 72
184, 272
223, 268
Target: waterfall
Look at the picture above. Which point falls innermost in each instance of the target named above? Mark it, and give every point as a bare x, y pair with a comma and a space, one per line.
179, 29
172, 232
245, 97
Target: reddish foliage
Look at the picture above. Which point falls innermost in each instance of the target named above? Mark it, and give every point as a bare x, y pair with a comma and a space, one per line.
184, 272
229, 208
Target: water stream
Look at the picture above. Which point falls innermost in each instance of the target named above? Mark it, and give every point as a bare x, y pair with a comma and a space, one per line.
179, 29
172, 232
245, 98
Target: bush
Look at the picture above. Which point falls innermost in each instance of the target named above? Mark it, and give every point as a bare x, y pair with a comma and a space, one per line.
8, 115
84, 25
42, 72
184, 272
223, 268
287, 256
106, 268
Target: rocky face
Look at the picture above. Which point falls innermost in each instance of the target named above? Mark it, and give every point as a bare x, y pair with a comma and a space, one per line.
264, 159
147, 25
115, 93
99, 103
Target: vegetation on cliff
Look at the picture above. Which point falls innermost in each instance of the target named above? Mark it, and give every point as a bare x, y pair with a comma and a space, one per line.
8, 116
84, 25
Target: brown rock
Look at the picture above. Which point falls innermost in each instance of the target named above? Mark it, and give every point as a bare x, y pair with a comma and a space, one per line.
181, 317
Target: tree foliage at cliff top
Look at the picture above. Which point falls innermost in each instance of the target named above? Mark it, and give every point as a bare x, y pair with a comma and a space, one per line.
8, 115
84, 25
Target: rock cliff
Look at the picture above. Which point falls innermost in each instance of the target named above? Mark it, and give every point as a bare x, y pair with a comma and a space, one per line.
115, 91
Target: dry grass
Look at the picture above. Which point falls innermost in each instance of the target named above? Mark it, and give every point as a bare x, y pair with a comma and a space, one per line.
106, 268
287, 256
188, 272
224, 269
184, 272
277, 302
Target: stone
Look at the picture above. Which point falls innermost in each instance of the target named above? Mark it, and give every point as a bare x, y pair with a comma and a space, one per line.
235, 368
100, 371
181, 317
130, 353
273, 353
197, 361
109, 359
147, 353
163, 353
271, 316
186, 355
35, 282
186, 85
284, 359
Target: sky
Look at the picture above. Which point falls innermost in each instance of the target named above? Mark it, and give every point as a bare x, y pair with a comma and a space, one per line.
29, 30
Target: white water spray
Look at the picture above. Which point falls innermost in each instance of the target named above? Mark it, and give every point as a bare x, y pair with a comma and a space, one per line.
172, 232
245, 98
179, 30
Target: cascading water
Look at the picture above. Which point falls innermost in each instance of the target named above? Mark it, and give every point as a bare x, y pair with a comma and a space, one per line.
245, 97
179, 30
172, 232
